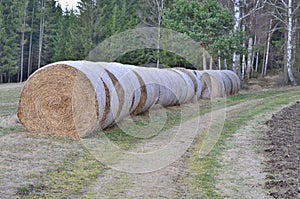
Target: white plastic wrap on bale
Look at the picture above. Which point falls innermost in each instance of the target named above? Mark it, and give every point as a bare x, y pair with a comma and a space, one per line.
214, 86
235, 81
152, 88
199, 85
188, 89
112, 106
227, 83
166, 95
218, 83
127, 88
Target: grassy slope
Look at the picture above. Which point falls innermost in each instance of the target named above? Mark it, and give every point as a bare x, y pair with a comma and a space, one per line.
80, 169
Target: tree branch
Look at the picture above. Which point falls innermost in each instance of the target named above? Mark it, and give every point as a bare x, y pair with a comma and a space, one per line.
255, 9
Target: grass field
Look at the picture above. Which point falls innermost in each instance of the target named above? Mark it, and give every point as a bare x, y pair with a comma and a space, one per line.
43, 167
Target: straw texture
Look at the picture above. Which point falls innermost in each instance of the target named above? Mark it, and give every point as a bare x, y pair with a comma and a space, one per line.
75, 98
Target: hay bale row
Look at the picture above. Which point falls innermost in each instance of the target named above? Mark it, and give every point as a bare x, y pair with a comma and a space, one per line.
218, 83
74, 98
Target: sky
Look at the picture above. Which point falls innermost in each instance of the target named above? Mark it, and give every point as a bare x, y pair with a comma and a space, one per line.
69, 3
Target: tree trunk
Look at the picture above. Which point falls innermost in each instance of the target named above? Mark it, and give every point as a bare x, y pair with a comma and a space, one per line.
211, 63
285, 72
290, 44
42, 24
253, 55
204, 58
264, 71
160, 7
23, 42
29, 65
294, 45
237, 25
249, 64
219, 60
243, 58
257, 61
243, 66
225, 64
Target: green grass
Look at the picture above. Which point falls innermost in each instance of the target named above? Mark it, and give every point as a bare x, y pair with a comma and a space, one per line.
10, 130
205, 169
76, 172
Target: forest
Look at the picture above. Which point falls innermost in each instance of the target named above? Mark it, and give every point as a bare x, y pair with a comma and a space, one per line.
252, 38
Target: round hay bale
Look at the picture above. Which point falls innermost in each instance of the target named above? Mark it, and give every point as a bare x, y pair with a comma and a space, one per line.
149, 89
126, 87
188, 89
214, 86
227, 83
62, 99
235, 81
169, 84
195, 75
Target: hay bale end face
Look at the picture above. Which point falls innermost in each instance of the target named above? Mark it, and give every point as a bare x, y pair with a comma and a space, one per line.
75, 98
59, 100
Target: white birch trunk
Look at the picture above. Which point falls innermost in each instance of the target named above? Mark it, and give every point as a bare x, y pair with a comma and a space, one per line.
204, 58
160, 7
211, 63
225, 64
249, 62
243, 59
256, 63
237, 25
264, 71
243, 65
290, 43
294, 44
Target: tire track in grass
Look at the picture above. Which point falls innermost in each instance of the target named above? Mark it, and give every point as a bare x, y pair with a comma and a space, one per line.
205, 171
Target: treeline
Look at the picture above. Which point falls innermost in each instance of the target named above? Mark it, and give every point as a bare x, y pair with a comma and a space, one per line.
249, 37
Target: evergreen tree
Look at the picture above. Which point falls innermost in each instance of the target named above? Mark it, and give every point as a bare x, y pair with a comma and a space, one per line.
10, 38
53, 13
204, 21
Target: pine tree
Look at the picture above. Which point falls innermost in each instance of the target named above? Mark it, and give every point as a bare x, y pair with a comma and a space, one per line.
10, 39
204, 21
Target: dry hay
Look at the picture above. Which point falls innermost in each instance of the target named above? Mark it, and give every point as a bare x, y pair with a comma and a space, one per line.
74, 98
47, 98
218, 83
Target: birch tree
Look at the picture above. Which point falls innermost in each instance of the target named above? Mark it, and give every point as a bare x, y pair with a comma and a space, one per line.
242, 10
249, 62
150, 14
290, 43
236, 28
284, 13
